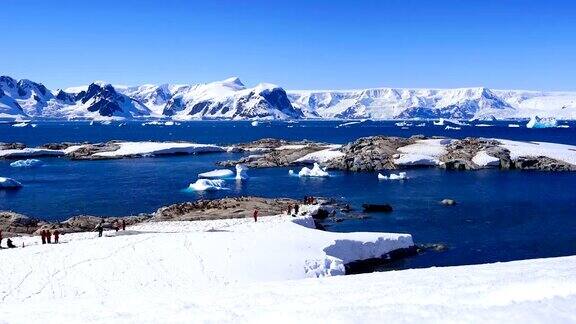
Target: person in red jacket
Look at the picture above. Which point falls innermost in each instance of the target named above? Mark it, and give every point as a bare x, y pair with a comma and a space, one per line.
56, 236
255, 215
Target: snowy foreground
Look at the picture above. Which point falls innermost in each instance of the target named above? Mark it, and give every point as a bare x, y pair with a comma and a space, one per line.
240, 271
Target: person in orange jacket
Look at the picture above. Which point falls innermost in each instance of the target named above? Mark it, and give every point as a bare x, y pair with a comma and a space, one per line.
255, 215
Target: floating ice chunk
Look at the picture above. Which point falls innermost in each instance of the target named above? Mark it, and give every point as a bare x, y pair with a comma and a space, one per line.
483, 125
563, 126
241, 172
9, 183
29, 163
537, 122
292, 173
452, 127
254, 123
222, 173
350, 123
440, 122
392, 176
483, 159
153, 123
34, 125
403, 124
23, 124
169, 123
207, 185
513, 125
316, 171
421, 125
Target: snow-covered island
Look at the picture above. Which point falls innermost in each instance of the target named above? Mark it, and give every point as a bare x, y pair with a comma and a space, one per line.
239, 270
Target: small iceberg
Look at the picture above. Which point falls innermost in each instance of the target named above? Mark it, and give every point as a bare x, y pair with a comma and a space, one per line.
216, 174
421, 125
452, 127
537, 122
29, 163
154, 123
563, 126
483, 125
403, 124
392, 176
440, 122
23, 124
513, 125
207, 185
254, 123
316, 171
9, 183
241, 172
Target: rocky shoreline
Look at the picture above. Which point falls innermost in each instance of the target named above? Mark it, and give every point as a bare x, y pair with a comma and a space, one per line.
372, 153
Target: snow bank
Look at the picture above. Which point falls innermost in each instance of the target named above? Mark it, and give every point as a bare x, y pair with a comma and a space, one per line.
29, 152
241, 172
316, 171
537, 122
483, 159
221, 173
207, 185
393, 176
29, 163
321, 156
159, 148
9, 183
422, 153
561, 152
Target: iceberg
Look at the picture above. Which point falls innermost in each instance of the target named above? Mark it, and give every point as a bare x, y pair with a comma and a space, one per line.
254, 123
316, 171
440, 122
392, 176
241, 172
207, 185
9, 183
215, 174
537, 122
513, 125
29, 163
20, 124
452, 127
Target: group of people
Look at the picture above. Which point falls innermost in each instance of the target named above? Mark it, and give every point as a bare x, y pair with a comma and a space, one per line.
295, 209
9, 242
46, 236
116, 225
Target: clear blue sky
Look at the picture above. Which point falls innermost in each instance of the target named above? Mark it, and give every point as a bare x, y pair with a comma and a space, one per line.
295, 44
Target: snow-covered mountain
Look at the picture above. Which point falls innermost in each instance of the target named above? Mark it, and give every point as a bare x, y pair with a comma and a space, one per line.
231, 99
464, 103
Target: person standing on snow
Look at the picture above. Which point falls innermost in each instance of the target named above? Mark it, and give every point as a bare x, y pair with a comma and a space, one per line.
56, 236
100, 228
43, 235
48, 237
255, 215
123, 225
296, 209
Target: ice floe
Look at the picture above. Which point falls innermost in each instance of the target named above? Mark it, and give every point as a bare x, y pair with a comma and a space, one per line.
393, 176
215, 174
483, 159
537, 122
207, 185
561, 152
9, 183
513, 125
29, 163
23, 124
448, 127
254, 123
439, 122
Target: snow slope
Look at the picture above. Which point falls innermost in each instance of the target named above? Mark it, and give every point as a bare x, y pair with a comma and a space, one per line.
118, 279
158, 148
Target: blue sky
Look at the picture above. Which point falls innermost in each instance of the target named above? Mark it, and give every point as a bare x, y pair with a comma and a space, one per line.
295, 44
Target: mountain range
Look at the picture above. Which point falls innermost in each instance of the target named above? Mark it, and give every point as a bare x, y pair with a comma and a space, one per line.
231, 99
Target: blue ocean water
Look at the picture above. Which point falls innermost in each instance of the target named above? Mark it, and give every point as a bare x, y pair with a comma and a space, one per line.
500, 215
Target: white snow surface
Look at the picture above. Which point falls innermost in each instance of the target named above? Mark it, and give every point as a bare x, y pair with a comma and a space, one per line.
483, 159
220, 173
179, 272
561, 152
322, 156
424, 152
29, 152
159, 148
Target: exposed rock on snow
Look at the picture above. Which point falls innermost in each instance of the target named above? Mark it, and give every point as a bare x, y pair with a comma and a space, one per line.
29, 163
9, 183
207, 185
